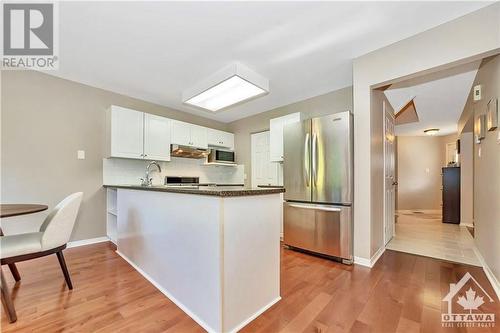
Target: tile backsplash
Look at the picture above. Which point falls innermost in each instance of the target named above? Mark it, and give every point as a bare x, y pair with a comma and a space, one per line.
126, 171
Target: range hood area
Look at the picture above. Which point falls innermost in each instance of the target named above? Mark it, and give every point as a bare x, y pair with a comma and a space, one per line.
188, 152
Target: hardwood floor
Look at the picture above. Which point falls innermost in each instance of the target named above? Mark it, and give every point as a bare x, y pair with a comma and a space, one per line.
402, 293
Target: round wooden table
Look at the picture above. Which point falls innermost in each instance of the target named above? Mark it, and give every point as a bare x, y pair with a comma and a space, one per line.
8, 210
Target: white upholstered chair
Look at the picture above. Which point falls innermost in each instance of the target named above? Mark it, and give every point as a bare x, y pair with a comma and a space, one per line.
52, 238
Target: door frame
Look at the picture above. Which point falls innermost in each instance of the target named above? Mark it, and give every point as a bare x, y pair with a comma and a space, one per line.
384, 111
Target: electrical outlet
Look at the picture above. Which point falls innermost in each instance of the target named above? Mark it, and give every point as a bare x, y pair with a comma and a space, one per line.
80, 154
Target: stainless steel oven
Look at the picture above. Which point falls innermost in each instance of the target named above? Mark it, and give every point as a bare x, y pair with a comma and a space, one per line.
221, 156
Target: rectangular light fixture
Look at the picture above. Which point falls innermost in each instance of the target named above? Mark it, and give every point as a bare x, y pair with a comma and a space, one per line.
231, 85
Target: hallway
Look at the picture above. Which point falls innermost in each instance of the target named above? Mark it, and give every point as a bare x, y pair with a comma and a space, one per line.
423, 233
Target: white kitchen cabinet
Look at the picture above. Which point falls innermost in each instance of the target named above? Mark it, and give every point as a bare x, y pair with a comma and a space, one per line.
125, 132
186, 134
276, 126
218, 138
156, 137
137, 135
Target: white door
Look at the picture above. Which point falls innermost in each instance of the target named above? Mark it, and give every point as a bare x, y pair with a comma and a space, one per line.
264, 172
390, 182
127, 129
156, 138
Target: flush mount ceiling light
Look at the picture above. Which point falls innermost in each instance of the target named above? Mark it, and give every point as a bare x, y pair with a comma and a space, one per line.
229, 86
431, 131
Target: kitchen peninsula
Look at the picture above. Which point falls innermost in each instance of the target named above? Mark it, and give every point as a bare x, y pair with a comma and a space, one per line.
213, 251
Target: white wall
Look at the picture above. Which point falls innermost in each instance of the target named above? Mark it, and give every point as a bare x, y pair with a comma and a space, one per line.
467, 38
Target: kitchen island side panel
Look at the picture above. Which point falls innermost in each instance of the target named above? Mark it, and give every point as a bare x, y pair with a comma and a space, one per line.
175, 239
251, 257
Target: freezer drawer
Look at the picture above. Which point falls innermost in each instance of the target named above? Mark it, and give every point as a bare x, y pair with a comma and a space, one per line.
324, 229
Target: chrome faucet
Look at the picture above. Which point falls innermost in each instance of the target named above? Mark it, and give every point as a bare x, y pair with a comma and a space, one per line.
147, 181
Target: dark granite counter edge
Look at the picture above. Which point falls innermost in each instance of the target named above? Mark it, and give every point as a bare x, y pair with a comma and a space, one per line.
211, 192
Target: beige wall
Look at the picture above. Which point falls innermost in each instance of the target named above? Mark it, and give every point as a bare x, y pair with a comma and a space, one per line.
336, 101
452, 43
487, 170
417, 188
45, 120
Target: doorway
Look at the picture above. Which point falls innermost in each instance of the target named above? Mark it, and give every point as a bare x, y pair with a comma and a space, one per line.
422, 165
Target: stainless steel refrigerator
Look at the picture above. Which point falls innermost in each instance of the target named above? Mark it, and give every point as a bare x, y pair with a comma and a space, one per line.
318, 178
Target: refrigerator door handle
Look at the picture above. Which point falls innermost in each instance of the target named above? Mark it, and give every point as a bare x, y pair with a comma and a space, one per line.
315, 207
315, 158
307, 154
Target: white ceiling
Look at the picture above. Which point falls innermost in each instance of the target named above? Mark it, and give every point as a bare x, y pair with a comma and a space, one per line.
155, 50
439, 99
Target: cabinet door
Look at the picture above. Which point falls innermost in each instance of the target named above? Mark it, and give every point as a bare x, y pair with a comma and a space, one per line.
276, 126
214, 137
127, 129
218, 138
228, 140
276, 140
181, 133
156, 138
198, 137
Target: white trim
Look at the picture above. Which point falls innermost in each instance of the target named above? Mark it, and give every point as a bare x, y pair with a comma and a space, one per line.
88, 241
255, 315
362, 261
377, 256
372, 261
169, 296
470, 225
489, 273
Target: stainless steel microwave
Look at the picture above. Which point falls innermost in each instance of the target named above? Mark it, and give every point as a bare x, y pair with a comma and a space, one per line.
221, 156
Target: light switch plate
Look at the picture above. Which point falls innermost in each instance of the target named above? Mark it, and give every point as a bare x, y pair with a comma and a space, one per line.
477, 92
80, 154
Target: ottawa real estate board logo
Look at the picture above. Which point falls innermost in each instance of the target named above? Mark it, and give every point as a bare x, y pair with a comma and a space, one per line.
30, 35
465, 299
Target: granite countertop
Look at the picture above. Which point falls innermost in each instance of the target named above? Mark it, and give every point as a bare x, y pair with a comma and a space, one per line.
218, 191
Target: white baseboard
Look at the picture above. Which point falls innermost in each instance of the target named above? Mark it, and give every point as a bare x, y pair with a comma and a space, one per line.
87, 241
169, 296
372, 261
467, 225
255, 315
362, 261
489, 274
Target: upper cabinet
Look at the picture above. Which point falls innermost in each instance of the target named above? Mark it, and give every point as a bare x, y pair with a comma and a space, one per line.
125, 131
276, 126
186, 134
221, 139
156, 137
138, 135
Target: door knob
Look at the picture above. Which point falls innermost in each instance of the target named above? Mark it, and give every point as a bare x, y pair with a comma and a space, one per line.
394, 183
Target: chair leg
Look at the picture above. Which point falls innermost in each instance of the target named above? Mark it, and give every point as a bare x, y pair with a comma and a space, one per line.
64, 269
7, 300
15, 272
